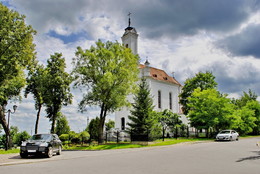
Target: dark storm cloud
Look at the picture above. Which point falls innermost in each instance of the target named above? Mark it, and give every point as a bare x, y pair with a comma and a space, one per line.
44, 15
245, 43
246, 77
172, 18
169, 18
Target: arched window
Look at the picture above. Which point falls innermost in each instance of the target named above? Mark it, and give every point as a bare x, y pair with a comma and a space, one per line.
170, 100
126, 45
159, 99
123, 123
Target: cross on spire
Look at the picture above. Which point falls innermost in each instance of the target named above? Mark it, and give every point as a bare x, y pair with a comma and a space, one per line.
129, 20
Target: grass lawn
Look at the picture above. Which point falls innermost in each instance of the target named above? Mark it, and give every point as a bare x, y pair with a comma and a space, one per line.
9, 151
128, 145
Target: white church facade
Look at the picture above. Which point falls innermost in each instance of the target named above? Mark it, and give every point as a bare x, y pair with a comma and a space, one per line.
164, 89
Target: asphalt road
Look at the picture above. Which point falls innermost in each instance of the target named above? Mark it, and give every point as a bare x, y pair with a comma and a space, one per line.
242, 157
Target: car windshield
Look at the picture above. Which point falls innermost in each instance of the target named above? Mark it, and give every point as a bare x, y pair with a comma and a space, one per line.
225, 132
41, 137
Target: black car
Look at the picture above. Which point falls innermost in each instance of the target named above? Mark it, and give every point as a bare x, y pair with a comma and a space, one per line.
41, 144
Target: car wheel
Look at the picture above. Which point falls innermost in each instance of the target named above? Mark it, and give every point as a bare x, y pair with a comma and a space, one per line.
23, 155
237, 138
50, 152
59, 151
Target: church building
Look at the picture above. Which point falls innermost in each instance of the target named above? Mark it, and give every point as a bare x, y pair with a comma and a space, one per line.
164, 89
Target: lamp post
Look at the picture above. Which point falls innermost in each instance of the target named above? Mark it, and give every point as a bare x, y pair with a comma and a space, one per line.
8, 125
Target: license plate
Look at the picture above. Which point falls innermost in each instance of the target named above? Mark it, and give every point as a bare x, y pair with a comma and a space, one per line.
31, 150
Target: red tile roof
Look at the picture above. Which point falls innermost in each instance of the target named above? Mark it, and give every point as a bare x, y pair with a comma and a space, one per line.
160, 75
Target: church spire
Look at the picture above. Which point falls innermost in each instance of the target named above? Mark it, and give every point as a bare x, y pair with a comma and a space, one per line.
130, 37
129, 19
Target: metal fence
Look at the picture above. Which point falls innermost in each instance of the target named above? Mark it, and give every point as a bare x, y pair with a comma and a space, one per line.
118, 136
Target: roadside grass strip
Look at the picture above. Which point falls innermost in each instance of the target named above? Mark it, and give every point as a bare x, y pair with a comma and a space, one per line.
9, 151
129, 145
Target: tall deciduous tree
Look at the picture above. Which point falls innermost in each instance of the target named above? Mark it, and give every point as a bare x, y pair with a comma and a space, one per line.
58, 82
202, 81
16, 54
209, 109
141, 118
109, 71
36, 81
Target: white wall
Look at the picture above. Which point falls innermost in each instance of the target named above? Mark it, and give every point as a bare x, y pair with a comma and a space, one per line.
155, 85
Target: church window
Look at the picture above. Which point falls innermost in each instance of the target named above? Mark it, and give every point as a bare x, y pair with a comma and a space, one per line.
170, 100
126, 45
159, 99
123, 123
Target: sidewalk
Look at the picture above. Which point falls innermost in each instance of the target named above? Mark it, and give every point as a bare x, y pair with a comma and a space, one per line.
11, 159
8, 159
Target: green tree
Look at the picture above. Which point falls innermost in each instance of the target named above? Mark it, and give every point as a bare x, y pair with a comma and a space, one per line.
36, 81
243, 120
246, 97
84, 136
142, 119
21, 136
109, 71
62, 125
248, 101
202, 81
255, 106
73, 136
13, 133
17, 52
169, 120
64, 137
58, 83
93, 128
109, 125
209, 109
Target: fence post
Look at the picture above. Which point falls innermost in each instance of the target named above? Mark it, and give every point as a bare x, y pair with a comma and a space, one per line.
147, 134
176, 132
163, 133
188, 133
106, 136
117, 136
131, 135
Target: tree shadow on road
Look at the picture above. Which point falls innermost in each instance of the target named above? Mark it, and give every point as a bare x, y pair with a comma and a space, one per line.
257, 157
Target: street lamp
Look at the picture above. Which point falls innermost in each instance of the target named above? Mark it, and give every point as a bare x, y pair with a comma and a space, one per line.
8, 123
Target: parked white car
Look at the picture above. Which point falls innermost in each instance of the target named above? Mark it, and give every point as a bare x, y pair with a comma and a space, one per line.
227, 135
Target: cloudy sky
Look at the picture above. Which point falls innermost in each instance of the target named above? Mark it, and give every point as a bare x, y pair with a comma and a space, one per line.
184, 37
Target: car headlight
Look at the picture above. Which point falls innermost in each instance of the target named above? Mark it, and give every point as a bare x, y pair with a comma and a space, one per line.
23, 143
44, 144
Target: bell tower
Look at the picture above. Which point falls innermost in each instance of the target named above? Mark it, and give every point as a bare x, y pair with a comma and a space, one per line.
130, 37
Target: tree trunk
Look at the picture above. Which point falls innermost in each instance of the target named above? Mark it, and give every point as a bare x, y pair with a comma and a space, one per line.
101, 130
5, 127
103, 113
207, 132
37, 119
53, 125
